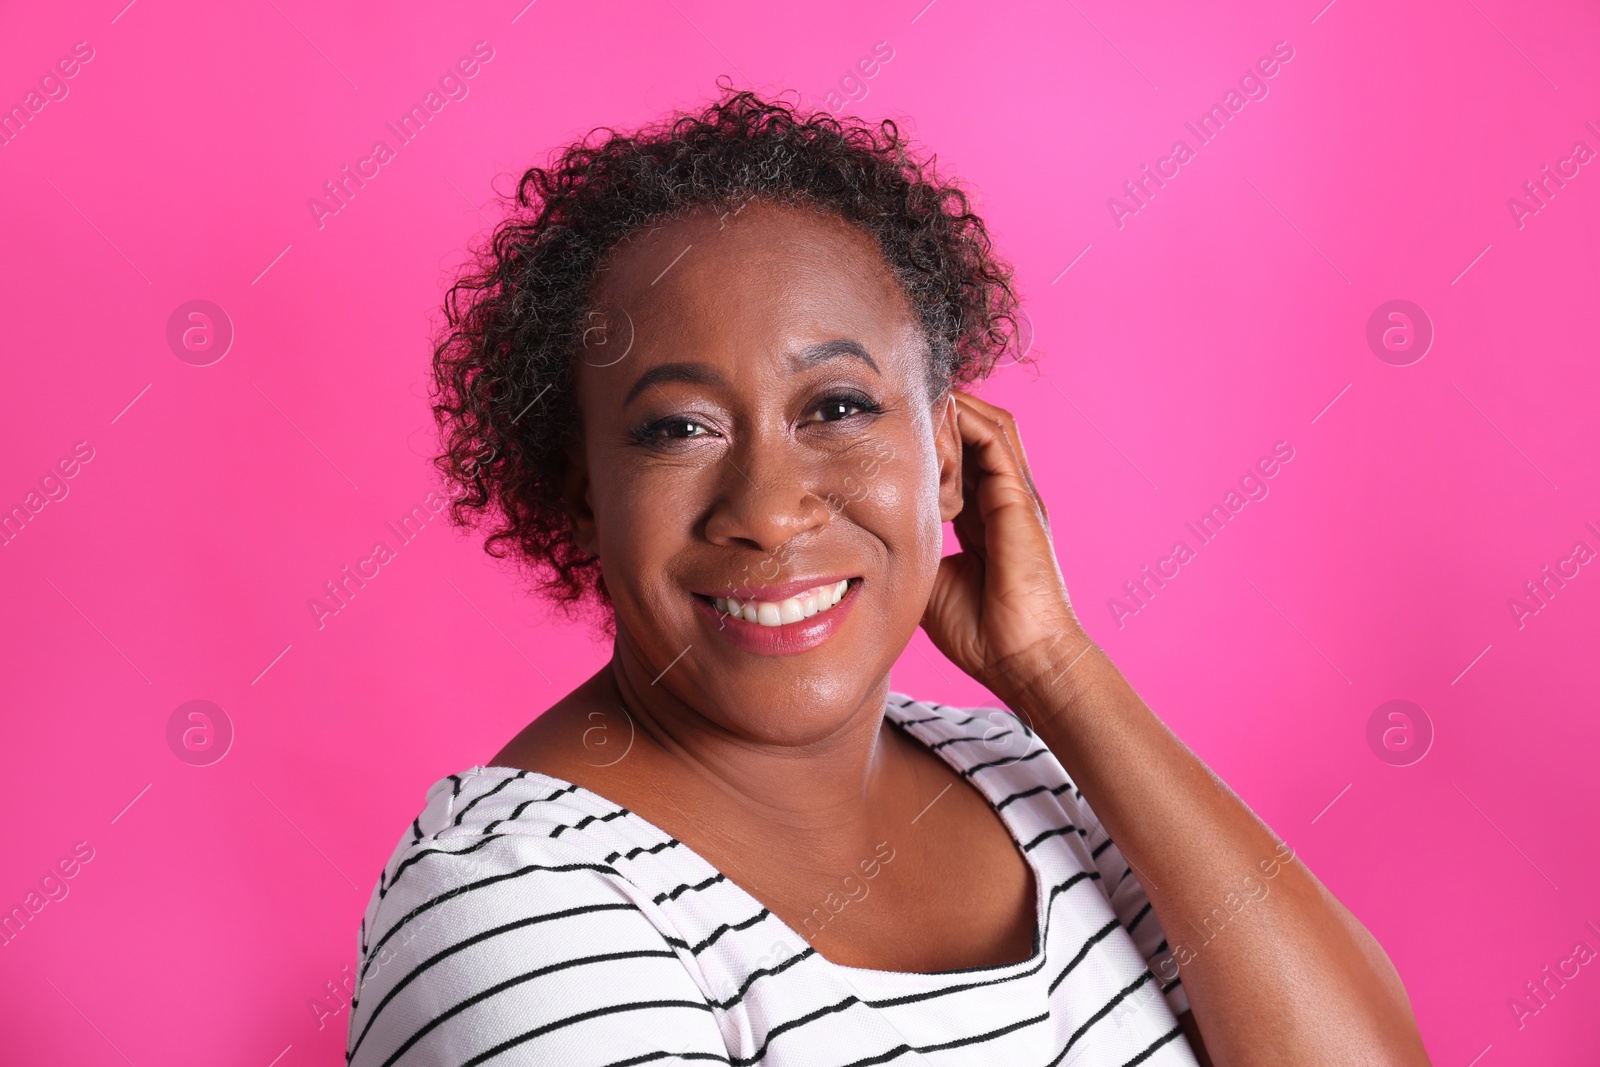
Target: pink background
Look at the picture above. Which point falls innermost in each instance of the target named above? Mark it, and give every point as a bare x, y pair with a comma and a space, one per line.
1227, 314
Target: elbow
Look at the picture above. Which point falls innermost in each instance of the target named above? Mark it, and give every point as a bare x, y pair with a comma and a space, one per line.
1390, 1025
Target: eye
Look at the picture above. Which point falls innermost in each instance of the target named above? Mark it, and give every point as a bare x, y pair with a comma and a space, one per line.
672, 429
838, 408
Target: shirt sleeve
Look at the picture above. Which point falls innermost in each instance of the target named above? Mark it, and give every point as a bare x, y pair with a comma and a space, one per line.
493, 948
1120, 883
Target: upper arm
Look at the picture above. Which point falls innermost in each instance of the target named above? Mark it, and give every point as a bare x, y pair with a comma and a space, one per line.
477, 958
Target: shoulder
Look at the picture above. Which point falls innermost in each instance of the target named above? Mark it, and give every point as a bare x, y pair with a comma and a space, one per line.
1006, 761
484, 839
502, 917
487, 832
983, 743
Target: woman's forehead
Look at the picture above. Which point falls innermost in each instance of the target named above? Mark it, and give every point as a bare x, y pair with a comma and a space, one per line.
759, 269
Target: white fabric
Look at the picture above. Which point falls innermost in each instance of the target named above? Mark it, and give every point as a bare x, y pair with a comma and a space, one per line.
523, 920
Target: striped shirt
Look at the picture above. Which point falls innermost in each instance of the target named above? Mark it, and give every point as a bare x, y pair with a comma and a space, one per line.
524, 920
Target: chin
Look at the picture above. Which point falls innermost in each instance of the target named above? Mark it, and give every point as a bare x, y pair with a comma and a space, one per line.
776, 682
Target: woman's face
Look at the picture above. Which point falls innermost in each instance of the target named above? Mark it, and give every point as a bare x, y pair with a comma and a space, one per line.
758, 424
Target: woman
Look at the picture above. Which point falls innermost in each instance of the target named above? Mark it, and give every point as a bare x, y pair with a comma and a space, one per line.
706, 383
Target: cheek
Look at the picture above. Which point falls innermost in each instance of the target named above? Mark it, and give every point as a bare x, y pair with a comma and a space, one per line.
899, 506
642, 517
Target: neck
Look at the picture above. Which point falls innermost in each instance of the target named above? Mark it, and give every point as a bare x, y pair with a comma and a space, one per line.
806, 784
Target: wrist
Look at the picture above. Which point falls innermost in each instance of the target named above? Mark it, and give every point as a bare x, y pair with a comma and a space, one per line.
1050, 677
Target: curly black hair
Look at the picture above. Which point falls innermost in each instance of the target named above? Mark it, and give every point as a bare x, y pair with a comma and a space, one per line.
502, 366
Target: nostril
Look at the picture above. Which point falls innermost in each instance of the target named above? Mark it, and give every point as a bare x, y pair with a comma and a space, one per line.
761, 517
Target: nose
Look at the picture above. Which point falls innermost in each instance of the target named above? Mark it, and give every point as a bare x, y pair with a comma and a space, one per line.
764, 500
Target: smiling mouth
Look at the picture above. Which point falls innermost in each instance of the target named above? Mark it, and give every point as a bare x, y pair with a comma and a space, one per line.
804, 605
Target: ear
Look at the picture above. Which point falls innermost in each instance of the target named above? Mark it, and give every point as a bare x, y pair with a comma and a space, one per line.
575, 495
947, 447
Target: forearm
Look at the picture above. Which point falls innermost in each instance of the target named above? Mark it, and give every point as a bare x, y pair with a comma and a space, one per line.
1277, 971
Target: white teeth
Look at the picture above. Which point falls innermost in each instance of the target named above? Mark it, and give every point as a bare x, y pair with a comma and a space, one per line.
793, 609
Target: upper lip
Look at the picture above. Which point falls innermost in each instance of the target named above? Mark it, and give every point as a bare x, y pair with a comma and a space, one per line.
773, 593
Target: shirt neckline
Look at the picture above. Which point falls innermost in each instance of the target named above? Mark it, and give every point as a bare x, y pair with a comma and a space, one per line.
894, 712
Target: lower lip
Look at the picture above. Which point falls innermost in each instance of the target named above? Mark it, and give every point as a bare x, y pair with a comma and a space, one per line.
785, 640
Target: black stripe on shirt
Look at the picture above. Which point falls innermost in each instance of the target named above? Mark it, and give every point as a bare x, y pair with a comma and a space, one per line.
460, 946
517, 980
587, 819
1057, 832
1056, 790
1103, 1012
1170, 1035
912, 998
462, 814
1094, 939
940, 718
1137, 919
662, 898
794, 1024
724, 1005
383, 890
724, 928
937, 745
635, 853
648, 1057
1081, 876
613, 1009
990, 1036
468, 887
898, 1050
516, 812
1008, 761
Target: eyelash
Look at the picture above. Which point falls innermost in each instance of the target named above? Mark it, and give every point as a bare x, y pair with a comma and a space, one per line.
650, 432
867, 405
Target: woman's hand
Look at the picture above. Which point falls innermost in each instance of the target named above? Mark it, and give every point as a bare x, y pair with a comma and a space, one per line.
999, 608
1298, 981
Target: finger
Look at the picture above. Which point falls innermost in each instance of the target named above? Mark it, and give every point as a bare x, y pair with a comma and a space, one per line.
1003, 480
1006, 426
1013, 437
968, 523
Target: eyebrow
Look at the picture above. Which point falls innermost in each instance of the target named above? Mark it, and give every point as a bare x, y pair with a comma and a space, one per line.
823, 351
693, 373
702, 374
